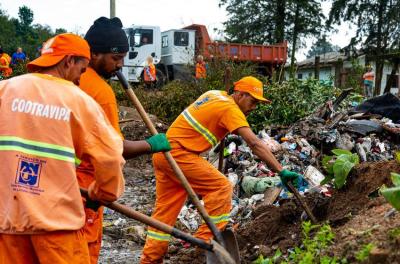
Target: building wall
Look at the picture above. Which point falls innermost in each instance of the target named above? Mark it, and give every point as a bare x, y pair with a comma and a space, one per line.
328, 73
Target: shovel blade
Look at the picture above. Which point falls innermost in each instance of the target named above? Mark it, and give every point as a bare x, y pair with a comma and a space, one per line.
231, 246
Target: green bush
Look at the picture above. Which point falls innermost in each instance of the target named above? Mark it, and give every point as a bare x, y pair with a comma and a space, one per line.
291, 101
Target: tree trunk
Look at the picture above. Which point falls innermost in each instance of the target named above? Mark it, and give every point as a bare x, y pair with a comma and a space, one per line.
280, 18
378, 75
338, 73
294, 41
391, 79
316, 70
379, 60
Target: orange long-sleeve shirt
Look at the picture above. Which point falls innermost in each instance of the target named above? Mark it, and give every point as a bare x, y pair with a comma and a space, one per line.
5, 68
205, 122
97, 88
47, 125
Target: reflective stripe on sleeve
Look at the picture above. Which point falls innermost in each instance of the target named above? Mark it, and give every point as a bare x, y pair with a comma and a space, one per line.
37, 148
199, 128
158, 236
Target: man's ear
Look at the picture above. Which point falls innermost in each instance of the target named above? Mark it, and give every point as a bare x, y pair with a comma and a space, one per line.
69, 61
94, 55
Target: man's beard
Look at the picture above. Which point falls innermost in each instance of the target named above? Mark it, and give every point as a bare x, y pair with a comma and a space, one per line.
106, 74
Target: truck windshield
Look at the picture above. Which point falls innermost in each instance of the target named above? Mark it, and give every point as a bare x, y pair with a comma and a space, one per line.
181, 38
140, 37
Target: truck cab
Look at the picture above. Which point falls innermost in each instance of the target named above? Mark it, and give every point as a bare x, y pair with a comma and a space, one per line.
177, 53
143, 41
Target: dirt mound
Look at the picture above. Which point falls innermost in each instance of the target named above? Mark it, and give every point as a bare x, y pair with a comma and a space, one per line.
281, 226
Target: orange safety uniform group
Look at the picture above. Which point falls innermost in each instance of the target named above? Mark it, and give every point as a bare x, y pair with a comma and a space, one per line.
201, 71
93, 85
5, 61
41, 212
201, 126
150, 73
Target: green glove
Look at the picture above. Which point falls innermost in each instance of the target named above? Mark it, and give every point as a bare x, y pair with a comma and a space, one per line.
290, 176
158, 143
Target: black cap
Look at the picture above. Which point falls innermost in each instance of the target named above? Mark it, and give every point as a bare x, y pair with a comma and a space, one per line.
107, 36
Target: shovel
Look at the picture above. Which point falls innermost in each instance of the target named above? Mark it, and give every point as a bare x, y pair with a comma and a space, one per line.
217, 250
178, 172
302, 202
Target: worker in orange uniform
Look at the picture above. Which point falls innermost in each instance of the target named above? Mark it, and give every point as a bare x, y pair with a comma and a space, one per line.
201, 69
47, 125
149, 73
109, 45
5, 60
197, 129
368, 78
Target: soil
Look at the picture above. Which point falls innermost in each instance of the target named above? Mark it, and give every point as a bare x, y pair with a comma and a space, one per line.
280, 227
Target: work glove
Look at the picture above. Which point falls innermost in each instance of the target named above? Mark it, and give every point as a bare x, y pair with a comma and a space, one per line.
290, 176
158, 143
94, 205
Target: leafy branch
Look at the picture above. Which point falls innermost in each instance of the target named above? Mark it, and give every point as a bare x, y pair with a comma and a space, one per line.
339, 166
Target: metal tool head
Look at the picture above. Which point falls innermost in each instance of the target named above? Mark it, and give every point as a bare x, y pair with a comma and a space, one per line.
231, 246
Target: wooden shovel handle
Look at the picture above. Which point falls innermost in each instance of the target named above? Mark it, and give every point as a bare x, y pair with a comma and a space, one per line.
178, 172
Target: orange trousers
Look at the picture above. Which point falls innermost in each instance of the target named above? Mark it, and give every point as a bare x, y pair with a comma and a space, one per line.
93, 228
58, 247
205, 179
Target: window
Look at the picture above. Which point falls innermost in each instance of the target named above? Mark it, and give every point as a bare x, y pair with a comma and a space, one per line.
140, 37
164, 42
181, 38
299, 76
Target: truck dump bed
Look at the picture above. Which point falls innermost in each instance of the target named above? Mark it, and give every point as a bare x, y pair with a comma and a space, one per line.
268, 54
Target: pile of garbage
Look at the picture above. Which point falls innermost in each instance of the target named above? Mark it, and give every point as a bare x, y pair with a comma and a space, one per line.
370, 129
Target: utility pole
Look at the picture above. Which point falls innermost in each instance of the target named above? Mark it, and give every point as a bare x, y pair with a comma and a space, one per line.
112, 8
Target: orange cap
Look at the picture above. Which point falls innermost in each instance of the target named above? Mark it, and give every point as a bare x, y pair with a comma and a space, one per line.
251, 85
56, 48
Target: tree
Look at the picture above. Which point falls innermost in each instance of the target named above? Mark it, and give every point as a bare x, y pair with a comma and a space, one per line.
321, 46
272, 21
22, 33
306, 17
378, 27
7, 33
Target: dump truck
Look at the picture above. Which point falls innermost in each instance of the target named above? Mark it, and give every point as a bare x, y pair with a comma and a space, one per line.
176, 49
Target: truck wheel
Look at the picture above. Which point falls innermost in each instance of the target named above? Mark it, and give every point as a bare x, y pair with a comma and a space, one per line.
161, 80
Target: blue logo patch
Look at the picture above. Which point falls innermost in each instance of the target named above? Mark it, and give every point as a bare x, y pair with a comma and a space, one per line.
28, 173
202, 101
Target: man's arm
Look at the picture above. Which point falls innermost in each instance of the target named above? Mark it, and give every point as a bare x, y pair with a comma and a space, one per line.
259, 148
135, 148
156, 143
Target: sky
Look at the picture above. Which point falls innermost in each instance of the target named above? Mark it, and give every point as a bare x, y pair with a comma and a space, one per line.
78, 15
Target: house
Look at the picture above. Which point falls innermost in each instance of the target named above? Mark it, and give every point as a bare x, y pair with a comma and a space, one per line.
338, 68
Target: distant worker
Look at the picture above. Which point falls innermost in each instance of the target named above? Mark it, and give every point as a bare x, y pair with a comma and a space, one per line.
197, 129
149, 73
5, 60
18, 56
47, 125
109, 45
368, 78
144, 41
201, 70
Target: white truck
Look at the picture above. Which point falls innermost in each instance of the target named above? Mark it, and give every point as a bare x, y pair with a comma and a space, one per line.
172, 52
